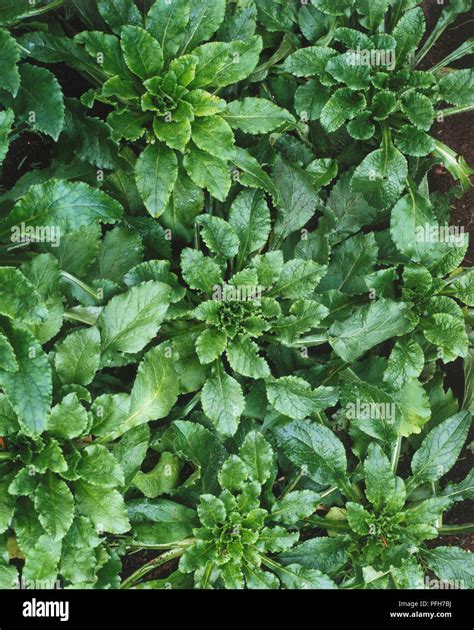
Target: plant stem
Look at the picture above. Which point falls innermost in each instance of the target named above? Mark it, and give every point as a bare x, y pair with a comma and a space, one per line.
153, 564
5, 456
465, 49
67, 276
449, 530
207, 574
327, 492
452, 111
41, 10
396, 454
292, 485
165, 546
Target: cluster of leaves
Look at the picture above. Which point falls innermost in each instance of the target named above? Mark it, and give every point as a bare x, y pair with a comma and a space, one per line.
242, 333
391, 104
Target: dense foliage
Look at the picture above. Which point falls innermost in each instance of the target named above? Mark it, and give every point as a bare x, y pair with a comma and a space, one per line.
229, 300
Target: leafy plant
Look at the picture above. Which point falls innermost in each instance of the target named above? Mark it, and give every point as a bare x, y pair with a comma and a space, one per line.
368, 82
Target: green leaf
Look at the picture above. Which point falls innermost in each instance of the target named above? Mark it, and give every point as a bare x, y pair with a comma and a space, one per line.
204, 103
167, 22
156, 171
295, 507
250, 173
293, 397
214, 135
160, 521
457, 87
223, 402
315, 449
367, 327
258, 455
381, 177
298, 278
374, 12
462, 490
19, 298
6, 123
50, 458
208, 172
333, 7
440, 449
448, 333
130, 245
243, 357
142, 53
118, 13
105, 507
452, 565
310, 99
380, 483
108, 46
350, 262
130, 320
250, 217
77, 357
154, 392
195, 444
408, 33
343, 105
296, 198
10, 55
11, 10
7, 502
218, 235
360, 127
221, 64
42, 559
410, 216
68, 205
309, 62
78, 559
344, 70
68, 419
131, 450
210, 345
205, 17
7, 355
233, 474
463, 287
39, 102
359, 518
200, 272
413, 141
295, 576
54, 504
29, 388
99, 467
176, 134
383, 104
326, 554
419, 109
406, 361
257, 115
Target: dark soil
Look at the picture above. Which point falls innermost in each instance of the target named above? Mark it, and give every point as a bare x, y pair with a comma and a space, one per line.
455, 131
